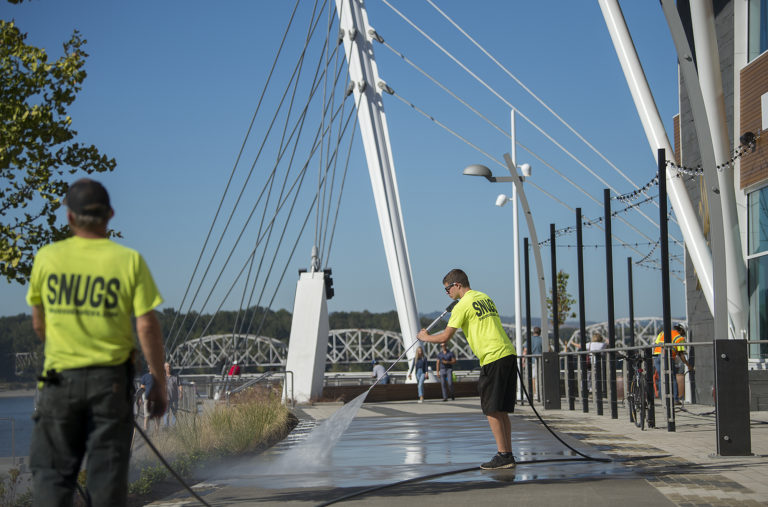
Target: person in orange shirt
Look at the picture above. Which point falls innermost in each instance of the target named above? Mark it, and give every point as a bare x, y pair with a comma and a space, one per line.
678, 336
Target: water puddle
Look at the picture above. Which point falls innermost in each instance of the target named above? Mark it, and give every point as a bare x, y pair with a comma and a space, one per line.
346, 452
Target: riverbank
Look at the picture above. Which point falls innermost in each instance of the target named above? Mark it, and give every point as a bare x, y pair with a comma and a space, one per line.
248, 424
17, 388
15, 393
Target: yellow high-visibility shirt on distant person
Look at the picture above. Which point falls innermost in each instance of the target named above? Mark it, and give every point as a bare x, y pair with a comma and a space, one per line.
476, 315
89, 290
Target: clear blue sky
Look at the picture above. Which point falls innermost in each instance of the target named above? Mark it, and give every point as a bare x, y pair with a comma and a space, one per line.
172, 86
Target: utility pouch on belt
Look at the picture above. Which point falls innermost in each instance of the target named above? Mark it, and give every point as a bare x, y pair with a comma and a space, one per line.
51, 377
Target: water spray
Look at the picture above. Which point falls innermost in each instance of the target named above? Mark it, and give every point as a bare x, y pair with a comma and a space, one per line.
323, 438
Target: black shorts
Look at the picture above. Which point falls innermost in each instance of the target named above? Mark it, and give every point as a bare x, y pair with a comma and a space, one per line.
498, 385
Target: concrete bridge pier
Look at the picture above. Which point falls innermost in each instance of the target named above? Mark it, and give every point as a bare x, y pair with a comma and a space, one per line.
309, 340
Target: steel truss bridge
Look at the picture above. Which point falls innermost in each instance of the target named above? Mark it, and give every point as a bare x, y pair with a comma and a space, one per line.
26, 361
347, 346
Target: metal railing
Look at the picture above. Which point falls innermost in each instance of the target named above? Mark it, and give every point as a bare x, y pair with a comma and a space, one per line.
572, 380
395, 377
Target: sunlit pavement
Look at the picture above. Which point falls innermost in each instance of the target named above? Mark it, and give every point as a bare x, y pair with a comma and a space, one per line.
396, 441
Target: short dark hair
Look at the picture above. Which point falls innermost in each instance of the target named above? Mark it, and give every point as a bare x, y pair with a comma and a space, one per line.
456, 276
88, 222
536, 330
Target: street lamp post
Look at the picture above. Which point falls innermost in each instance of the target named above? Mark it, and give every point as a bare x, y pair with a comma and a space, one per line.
517, 179
550, 368
501, 200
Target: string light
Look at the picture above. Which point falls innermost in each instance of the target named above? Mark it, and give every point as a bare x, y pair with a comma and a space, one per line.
655, 246
748, 143
600, 245
596, 221
658, 268
631, 196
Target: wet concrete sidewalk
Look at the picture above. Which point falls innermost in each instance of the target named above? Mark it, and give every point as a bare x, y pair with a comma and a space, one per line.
399, 441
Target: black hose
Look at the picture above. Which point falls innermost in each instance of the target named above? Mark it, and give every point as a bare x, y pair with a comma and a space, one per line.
530, 401
168, 466
434, 476
584, 457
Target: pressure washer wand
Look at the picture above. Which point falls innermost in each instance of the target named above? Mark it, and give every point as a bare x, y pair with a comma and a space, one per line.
447, 310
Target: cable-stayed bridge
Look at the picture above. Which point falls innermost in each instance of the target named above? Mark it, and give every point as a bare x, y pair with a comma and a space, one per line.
294, 175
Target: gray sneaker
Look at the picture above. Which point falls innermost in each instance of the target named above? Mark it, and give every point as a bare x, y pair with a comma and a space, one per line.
499, 462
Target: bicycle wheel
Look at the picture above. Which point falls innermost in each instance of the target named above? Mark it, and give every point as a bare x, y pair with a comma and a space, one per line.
642, 405
633, 401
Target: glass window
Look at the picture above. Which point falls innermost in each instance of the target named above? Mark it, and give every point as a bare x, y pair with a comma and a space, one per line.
757, 237
757, 267
758, 306
758, 28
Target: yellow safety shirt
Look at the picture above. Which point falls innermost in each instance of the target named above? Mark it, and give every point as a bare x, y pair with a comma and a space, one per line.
89, 290
676, 338
476, 315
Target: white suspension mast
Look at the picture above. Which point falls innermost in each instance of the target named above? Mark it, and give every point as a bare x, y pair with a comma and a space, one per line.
708, 65
357, 36
695, 242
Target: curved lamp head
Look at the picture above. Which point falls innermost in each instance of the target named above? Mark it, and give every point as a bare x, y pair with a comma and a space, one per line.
526, 170
478, 170
501, 200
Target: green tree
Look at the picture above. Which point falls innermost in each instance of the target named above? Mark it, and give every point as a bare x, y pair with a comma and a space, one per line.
37, 145
565, 301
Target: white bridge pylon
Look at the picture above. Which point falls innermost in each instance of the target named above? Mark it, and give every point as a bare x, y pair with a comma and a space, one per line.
357, 36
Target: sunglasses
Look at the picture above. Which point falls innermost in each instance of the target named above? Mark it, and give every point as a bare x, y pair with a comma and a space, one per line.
448, 289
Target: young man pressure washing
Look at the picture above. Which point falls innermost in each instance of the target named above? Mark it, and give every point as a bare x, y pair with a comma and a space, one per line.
478, 318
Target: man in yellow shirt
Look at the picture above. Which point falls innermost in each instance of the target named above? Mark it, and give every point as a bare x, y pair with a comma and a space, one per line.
83, 292
478, 318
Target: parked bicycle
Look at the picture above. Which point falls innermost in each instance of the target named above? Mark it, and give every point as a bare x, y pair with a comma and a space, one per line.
637, 394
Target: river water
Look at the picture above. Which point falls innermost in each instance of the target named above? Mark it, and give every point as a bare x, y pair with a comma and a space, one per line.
14, 439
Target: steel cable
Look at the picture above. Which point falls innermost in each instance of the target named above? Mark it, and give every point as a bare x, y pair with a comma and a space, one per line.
272, 174
237, 161
532, 94
293, 250
491, 157
297, 186
509, 104
313, 24
508, 136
